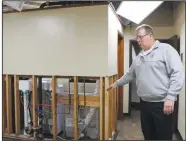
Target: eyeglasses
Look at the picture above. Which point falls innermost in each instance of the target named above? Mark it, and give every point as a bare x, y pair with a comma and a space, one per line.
141, 37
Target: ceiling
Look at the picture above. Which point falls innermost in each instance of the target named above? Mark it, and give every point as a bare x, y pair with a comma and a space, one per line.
156, 18
162, 16
44, 4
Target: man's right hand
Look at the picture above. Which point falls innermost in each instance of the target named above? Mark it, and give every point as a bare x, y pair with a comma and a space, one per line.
111, 87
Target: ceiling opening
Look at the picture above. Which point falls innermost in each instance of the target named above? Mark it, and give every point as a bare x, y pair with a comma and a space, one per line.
137, 11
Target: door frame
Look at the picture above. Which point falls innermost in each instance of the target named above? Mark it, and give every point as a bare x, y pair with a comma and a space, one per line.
120, 64
130, 85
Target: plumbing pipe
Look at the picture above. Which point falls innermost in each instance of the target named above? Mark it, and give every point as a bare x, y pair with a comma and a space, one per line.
25, 100
91, 112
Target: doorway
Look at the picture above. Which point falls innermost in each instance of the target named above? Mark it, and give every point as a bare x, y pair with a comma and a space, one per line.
120, 61
134, 100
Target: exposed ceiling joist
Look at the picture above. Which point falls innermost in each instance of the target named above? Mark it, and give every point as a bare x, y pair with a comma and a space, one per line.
20, 5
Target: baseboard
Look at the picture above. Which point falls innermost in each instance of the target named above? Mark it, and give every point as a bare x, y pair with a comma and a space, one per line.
178, 135
126, 114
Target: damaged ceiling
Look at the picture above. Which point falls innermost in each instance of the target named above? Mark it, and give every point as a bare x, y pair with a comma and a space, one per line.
156, 18
24, 5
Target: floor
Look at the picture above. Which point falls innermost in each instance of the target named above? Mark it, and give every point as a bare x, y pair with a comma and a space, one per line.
130, 129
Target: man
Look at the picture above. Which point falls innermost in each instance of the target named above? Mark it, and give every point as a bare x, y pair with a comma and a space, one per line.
159, 79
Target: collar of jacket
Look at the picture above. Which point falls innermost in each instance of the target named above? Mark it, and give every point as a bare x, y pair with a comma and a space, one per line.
155, 46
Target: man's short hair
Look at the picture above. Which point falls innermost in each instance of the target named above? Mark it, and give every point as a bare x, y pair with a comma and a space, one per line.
148, 28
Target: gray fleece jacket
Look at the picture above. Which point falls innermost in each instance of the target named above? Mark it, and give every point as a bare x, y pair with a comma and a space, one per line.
159, 74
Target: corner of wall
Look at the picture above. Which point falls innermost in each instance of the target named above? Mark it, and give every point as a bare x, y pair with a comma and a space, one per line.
114, 26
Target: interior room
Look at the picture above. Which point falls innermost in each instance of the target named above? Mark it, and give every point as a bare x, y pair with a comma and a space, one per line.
59, 58
172, 31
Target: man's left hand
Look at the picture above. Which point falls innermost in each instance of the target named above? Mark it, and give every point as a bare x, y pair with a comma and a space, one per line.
168, 107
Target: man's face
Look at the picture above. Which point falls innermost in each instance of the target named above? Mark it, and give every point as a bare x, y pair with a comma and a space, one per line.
143, 38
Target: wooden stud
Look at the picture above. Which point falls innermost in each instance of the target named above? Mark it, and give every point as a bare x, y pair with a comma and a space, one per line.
106, 101
92, 101
4, 105
115, 105
107, 118
34, 100
17, 105
54, 107
75, 107
117, 99
9, 104
112, 106
102, 105
18, 137
110, 109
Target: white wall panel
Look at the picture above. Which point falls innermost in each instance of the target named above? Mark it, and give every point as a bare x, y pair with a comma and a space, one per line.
114, 28
68, 41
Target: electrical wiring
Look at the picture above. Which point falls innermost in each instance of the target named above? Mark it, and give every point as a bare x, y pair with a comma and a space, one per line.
44, 105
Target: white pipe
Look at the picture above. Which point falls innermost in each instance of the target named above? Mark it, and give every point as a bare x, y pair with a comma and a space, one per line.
92, 111
89, 116
25, 95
